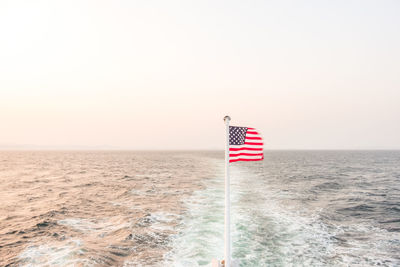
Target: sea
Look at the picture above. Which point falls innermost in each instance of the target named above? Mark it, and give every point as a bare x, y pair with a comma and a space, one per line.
166, 208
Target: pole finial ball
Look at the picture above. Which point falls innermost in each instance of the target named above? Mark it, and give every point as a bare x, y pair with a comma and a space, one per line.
227, 118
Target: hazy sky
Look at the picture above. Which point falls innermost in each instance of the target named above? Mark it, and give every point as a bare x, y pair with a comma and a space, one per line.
162, 74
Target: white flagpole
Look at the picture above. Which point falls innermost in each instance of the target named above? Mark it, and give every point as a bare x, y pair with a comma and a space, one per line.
227, 198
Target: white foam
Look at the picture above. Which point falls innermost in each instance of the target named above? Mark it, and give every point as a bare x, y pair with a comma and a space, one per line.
82, 225
54, 255
87, 226
69, 252
201, 234
265, 231
163, 221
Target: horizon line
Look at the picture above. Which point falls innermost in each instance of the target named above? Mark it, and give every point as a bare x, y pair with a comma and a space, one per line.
3, 149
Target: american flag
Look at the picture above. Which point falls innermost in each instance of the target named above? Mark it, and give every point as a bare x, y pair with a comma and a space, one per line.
245, 144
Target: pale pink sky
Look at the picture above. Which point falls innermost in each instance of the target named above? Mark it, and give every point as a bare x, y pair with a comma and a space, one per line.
162, 74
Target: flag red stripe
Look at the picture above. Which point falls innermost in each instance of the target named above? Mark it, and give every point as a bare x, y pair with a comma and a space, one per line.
233, 160
251, 132
245, 148
245, 154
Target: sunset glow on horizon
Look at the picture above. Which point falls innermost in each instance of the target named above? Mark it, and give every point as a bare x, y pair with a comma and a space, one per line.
163, 74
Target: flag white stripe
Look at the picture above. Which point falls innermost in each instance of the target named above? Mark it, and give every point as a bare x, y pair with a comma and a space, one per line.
246, 146
253, 135
246, 151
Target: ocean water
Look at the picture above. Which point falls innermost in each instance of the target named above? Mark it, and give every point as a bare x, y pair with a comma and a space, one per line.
295, 208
